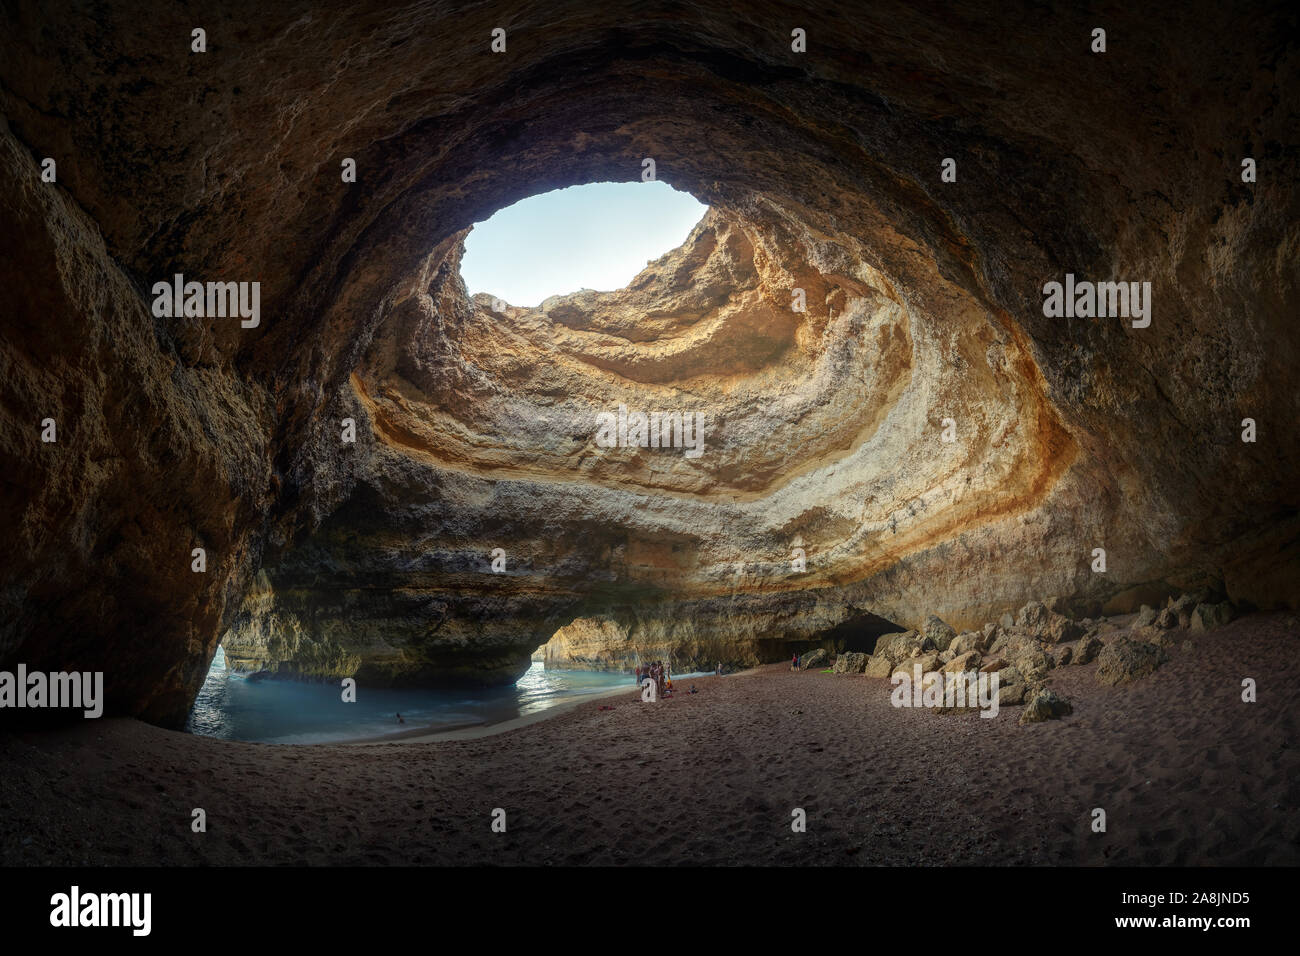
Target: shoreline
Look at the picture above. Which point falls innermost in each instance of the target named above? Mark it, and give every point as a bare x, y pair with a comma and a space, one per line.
473, 730
479, 730
1187, 771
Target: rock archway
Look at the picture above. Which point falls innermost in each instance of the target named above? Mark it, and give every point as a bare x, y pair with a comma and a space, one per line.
474, 427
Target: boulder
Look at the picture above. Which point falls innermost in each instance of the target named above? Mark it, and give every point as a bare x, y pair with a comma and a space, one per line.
1064, 655
1058, 629
1011, 675
929, 661
1034, 666
1206, 617
1167, 618
969, 661
940, 633
1149, 633
1006, 620
1086, 651
1184, 606
1124, 660
816, 658
1033, 615
896, 647
1011, 694
995, 664
850, 663
1159, 638
1015, 642
879, 666
967, 641
1045, 705
1146, 616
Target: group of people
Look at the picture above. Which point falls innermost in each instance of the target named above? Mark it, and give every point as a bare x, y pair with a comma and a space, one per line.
657, 671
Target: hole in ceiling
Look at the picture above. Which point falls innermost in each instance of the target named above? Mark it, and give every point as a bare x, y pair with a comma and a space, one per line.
595, 236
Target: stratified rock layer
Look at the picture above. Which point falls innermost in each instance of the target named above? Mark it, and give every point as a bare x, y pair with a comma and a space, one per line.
476, 428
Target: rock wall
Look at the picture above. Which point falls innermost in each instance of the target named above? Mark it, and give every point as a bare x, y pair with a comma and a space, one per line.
475, 428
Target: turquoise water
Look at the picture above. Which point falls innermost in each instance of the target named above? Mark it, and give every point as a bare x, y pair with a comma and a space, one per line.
232, 707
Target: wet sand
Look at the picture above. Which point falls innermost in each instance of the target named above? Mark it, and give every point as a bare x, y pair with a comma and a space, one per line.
1186, 772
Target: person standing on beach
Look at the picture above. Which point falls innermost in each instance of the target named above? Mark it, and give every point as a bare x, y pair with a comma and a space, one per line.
794, 663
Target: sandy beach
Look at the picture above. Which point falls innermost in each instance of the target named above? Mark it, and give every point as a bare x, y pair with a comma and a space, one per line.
1186, 772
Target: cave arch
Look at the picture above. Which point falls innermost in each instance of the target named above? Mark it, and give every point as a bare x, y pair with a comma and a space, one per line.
189, 432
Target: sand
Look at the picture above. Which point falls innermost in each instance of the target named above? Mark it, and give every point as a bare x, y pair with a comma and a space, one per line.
1186, 772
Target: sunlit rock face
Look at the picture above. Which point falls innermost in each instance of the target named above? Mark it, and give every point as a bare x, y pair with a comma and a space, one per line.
814, 460
476, 429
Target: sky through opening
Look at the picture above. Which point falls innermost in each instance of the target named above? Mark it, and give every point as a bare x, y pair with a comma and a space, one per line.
595, 236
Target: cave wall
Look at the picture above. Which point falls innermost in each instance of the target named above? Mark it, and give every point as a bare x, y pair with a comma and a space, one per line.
182, 432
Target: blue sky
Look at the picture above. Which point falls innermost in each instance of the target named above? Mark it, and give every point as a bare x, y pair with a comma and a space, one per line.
596, 236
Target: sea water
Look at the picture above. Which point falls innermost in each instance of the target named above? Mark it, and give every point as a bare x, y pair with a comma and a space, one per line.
232, 707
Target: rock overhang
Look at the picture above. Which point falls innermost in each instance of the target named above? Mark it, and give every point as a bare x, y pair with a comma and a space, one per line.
837, 152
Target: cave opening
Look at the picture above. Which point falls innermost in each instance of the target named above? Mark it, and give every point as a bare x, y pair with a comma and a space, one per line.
593, 236
858, 634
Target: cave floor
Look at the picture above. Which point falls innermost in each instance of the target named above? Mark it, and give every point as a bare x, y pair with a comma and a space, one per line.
1186, 772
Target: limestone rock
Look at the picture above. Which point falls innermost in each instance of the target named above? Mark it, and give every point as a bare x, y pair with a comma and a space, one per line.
1010, 695
969, 661
928, 662
967, 641
1011, 675
1183, 606
1206, 617
1045, 705
1125, 660
850, 663
938, 632
814, 658
1059, 629
896, 647
879, 666
1086, 651
1034, 666
1033, 616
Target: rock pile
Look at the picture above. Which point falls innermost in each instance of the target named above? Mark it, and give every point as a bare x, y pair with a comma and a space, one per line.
1022, 649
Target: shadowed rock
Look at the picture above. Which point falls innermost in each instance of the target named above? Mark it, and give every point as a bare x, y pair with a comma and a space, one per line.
1123, 661
475, 425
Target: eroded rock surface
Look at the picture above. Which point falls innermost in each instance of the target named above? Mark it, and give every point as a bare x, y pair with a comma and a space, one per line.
476, 428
